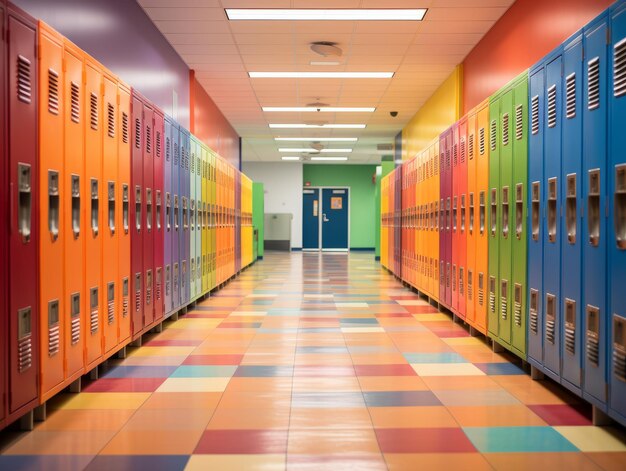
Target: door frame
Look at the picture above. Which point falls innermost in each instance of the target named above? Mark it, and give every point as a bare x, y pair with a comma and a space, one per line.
319, 217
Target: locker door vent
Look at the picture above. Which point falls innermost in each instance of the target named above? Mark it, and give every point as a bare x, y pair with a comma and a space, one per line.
193, 163
149, 287
534, 311
492, 294
461, 283
593, 83
24, 90
137, 292
550, 318
53, 92
481, 141
505, 129
168, 149
463, 150
93, 111
110, 302
619, 68
453, 277
159, 282
470, 285
176, 277
168, 280
94, 321
471, 146
148, 139
504, 299
137, 133
492, 137
54, 334
75, 102
75, 315
125, 128
552, 106
481, 289
619, 347
534, 114
570, 326
111, 120
24, 339
593, 334
570, 96
519, 122
158, 144
517, 304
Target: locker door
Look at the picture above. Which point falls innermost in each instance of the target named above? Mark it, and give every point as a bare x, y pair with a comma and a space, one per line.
552, 243
51, 179
205, 225
137, 209
125, 223
571, 197
193, 154
617, 214
594, 240
3, 233
443, 150
112, 307
176, 216
471, 219
159, 209
24, 207
448, 232
482, 218
461, 185
186, 234
149, 274
169, 211
494, 220
454, 223
213, 196
198, 218
435, 245
536, 205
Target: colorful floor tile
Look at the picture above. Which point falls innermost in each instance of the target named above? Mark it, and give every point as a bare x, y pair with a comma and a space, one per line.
315, 362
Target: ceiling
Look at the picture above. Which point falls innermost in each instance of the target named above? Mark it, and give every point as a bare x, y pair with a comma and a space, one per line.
422, 54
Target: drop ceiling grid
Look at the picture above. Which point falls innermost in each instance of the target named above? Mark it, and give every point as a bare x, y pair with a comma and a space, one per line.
222, 53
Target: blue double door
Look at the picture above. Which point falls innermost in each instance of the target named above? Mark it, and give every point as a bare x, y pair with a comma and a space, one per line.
325, 218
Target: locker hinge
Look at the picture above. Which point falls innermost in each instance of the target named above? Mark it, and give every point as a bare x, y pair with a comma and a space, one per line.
84, 77
102, 88
119, 100
39, 53
64, 65
608, 35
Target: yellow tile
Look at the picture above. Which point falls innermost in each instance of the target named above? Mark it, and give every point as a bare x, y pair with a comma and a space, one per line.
463, 341
147, 351
115, 400
589, 438
236, 462
194, 385
58, 442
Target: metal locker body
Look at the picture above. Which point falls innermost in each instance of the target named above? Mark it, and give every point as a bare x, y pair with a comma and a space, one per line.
471, 218
454, 215
494, 218
481, 227
193, 156
168, 215
198, 218
443, 149
110, 206
237, 221
4, 233
213, 233
149, 210
518, 220
186, 233
571, 198
434, 239
125, 222
23, 240
52, 193
205, 225
176, 215
137, 209
594, 240
448, 228
159, 215
460, 182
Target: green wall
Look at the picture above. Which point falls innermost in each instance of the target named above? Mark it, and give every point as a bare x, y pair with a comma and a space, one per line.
358, 178
258, 214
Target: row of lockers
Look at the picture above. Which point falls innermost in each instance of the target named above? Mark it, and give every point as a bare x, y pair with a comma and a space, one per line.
515, 217
115, 216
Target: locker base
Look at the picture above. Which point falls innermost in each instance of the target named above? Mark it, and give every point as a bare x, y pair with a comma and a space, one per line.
93, 374
121, 354
136, 342
27, 421
157, 329
496, 347
174, 317
40, 413
599, 418
75, 387
473, 331
536, 374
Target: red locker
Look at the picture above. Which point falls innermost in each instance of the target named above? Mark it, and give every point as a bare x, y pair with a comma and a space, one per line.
454, 229
148, 226
460, 182
23, 210
136, 214
3, 233
472, 219
92, 210
159, 214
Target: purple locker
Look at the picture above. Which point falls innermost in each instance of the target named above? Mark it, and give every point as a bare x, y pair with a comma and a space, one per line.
159, 195
169, 214
149, 274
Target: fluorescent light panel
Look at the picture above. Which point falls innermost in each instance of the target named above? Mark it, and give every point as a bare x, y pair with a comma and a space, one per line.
296, 14
312, 109
329, 159
317, 139
314, 151
290, 158
362, 75
317, 126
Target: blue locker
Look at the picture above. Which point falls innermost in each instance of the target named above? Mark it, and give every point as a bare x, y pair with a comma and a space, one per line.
176, 216
169, 211
552, 242
595, 181
535, 223
185, 270
571, 202
617, 217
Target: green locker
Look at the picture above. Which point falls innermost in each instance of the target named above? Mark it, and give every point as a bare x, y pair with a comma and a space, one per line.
493, 304
519, 237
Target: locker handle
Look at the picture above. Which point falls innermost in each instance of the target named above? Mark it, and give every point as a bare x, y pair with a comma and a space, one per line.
185, 215
192, 214
111, 191
462, 214
53, 204
494, 211
505, 212
125, 218
482, 213
454, 213
519, 210
75, 181
593, 207
158, 210
448, 214
24, 217
552, 209
149, 209
176, 220
168, 212
471, 213
95, 207
535, 210
571, 211
620, 206
138, 208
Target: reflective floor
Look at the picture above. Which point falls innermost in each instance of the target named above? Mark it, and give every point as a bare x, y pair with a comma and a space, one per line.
315, 362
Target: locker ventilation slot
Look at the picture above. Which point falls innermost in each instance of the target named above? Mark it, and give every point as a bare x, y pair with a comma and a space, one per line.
24, 340
481, 139
534, 114
93, 115
505, 129
481, 289
519, 122
53, 92
570, 98
593, 329
75, 102
94, 321
619, 347
125, 128
463, 150
570, 326
552, 106
461, 284
493, 135
168, 280
550, 318
492, 295
75, 313
148, 139
158, 144
111, 120
149, 287
504, 299
593, 83
137, 133
619, 68
157, 291
534, 313
168, 149
471, 146
54, 334
517, 304
125, 297
470, 282
138, 292
24, 90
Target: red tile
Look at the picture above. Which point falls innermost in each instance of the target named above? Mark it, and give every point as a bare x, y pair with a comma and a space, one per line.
385, 370
199, 315
319, 371
213, 360
423, 440
565, 414
421, 309
229, 442
124, 385
451, 333
173, 343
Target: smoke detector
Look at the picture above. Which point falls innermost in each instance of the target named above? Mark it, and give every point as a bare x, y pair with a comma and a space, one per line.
317, 105
326, 49
318, 146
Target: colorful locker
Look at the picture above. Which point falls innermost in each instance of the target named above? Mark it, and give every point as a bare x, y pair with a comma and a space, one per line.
193, 155
124, 198
454, 223
205, 219
185, 145
136, 213
3, 233
571, 198
443, 214
176, 216
617, 215
198, 219
51, 242
434, 241
169, 212
110, 206
481, 225
148, 145
595, 183
213, 220
448, 183
471, 226
494, 219
518, 221
237, 215
22, 150
158, 229
460, 182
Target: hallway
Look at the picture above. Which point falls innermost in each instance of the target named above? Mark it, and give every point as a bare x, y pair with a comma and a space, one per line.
310, 361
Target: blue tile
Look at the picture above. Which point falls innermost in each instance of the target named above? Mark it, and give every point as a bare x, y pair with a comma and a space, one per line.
400, 399
518, 439
359, 320
135, 462
47, 462
263, 371
139, 371
439, 357
500, 368
322, 400
204, 371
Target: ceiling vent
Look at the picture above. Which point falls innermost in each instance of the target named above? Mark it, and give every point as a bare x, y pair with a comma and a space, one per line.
326, 49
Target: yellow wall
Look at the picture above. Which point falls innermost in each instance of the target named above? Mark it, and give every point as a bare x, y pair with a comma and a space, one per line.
440, 111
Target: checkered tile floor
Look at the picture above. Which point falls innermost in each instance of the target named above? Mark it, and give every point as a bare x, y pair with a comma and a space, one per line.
316, 362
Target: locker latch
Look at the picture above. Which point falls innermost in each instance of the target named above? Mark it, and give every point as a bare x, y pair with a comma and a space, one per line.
111, 211
95, 207
53, 204
620, 206
25, 201
75, 181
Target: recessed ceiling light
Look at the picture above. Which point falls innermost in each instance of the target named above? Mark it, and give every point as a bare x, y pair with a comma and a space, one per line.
290, 158
312, 109
320, 75
325, 63
328, 159
294, 14
315, 139
313, 151
317, 126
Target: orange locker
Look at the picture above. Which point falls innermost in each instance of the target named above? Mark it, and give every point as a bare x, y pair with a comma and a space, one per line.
51, 180
434, 240
110, 206
482, 241
471, 219
74, 224
93, 213
123, 214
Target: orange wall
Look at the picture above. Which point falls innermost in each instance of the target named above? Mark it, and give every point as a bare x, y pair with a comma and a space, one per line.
525, 33
210, 125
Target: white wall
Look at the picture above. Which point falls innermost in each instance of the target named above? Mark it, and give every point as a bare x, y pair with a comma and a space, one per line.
283, 191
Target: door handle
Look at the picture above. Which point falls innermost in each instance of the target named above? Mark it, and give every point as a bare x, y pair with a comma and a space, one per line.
325, 219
